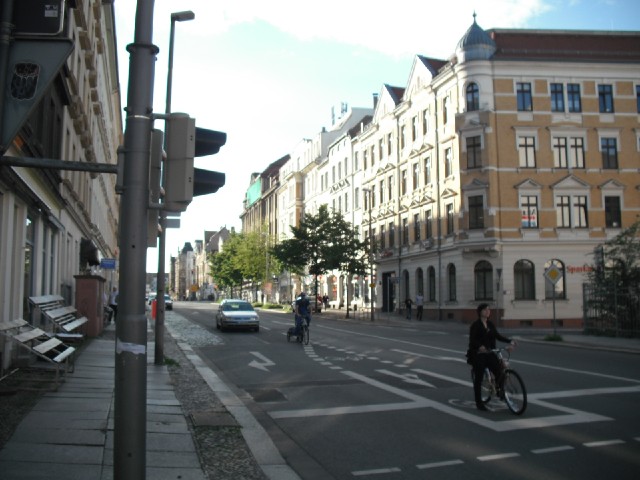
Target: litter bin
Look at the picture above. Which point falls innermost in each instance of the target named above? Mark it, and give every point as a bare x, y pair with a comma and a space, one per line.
154, 308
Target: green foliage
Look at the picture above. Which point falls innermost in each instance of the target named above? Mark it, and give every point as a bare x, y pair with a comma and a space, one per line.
553, 337
617, 262
323, 242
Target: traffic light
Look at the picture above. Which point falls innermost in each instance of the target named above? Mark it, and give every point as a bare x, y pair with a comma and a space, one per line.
155, 177
184, 142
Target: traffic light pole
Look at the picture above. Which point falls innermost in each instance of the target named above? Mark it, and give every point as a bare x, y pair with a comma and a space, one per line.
130, 419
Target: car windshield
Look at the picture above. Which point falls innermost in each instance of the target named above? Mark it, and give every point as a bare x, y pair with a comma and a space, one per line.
237, 307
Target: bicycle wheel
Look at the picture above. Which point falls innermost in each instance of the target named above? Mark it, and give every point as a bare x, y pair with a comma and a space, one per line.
305, 335
515, 394
486, 387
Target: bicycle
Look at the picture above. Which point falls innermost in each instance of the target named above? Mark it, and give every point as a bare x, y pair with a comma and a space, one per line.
303, 333
512, 390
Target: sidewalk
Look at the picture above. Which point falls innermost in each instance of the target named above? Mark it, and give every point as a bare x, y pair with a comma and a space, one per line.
68, 435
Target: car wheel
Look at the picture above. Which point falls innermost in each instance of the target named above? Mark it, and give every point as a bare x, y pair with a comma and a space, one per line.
257, 329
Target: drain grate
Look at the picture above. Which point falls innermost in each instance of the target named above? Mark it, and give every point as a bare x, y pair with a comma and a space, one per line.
213, 419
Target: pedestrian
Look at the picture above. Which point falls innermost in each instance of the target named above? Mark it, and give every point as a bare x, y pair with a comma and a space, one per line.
407, 303
113, 303
419, 306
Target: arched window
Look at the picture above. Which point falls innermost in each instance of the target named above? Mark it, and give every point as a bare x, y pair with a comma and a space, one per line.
560, 286
483, 275
473, 97
419, 282
524, 280
451, 278
431, 274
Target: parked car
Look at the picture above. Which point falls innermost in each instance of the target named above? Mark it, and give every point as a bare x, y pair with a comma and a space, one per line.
168, 302
234, 313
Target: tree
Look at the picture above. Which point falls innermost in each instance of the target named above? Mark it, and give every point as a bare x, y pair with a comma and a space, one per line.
614, 281
224, 269
322, 242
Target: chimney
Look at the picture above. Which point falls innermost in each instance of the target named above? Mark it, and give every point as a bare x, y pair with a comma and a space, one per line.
375, 100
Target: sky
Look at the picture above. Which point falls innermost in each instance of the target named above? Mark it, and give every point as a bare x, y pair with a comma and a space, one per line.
268, 72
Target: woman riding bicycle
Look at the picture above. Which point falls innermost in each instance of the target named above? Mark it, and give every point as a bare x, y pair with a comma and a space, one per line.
482, 339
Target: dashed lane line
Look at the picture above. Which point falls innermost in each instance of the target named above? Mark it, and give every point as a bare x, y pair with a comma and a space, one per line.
603, 443
561, 448
377, 471
498, 456
445, 463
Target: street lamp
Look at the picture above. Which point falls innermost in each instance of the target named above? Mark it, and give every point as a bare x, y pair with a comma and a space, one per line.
160, 307
371, 282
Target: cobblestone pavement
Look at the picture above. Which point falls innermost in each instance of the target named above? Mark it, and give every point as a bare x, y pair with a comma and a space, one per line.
220, 445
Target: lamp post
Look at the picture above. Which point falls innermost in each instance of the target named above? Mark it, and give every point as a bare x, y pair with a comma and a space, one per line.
160, 306
371, 282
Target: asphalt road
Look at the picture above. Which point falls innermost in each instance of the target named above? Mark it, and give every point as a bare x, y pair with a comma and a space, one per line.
378, 402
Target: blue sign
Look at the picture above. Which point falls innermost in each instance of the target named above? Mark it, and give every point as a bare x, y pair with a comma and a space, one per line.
108, 263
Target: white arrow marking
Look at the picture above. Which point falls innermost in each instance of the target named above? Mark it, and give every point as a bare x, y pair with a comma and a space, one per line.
263, 364
408, 377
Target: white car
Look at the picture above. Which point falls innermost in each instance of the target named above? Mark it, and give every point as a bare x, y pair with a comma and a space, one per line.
237, 314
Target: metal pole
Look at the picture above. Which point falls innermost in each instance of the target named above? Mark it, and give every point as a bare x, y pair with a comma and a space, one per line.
371, 282
160, 281
130, 419
5, 46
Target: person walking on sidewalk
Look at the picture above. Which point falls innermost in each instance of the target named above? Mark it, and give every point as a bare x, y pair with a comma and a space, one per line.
113, 303
419, 306
407, 304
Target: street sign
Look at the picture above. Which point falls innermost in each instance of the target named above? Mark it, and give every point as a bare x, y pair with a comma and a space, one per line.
553, 274
32, 66
108, 263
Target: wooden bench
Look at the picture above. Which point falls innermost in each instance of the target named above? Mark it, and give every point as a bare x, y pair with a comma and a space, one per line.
64, 319
39, 343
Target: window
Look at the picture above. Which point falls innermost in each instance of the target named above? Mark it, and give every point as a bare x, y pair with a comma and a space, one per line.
365, 158
449, 210
373, 196
558, 290
392, 234
571, 211
638, 98
524, 280
605, 98
612, 212
427, 171
428, 223
416, 227
431, 276
381, 148
451, 280
523, 92
356, 198
483, 278
414, 128
573, 97
389, 144
476, 212
557, 97
473, 97
383, 236
403, 140
373, 155
527, 152
405, 231
356, 162
576, 146
609, 149
529, 209
346, 202
560, 152
425, 122
448, 162
403, 182
382, 191
416, 176
446, 104
390, 187
473, 152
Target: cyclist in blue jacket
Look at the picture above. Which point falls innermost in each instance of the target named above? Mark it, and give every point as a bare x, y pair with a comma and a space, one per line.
303, 308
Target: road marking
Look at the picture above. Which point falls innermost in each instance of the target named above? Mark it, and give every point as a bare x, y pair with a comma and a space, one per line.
603, 443
263, 364
552, 449
499, 456
407, 377
447, 463
377, 471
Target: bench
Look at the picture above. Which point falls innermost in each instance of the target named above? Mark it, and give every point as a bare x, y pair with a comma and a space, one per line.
65, 319
39, 343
